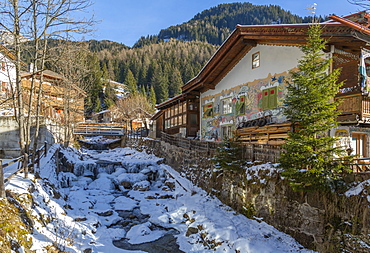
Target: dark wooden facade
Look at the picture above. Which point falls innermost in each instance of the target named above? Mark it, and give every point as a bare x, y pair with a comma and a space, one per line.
179, 115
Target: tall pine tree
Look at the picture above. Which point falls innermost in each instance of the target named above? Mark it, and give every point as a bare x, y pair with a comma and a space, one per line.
152, 97
131, 83
308, 160
175, 84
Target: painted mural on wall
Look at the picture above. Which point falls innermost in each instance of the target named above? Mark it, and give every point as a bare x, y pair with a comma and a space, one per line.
254, 103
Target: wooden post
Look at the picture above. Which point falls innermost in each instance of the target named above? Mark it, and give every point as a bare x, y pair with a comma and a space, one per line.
2, 185
39, 158
45, 147
25, 165
253, 155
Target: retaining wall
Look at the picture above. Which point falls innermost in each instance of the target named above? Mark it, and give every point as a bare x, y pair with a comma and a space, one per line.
326, 222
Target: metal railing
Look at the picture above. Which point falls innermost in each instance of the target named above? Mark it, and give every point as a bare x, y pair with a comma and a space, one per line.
358, 164
98, 129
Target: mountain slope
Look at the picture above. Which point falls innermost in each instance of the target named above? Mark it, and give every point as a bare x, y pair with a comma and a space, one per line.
215, 24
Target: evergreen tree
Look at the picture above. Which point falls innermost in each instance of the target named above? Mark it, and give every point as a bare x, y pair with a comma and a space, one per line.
152, 97
97, 107
109, 96
160, 85
308, 160
130, 82
143, 90
176, 83
229, 156
95, 79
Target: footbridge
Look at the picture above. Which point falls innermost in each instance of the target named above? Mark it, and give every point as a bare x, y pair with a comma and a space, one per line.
95, 129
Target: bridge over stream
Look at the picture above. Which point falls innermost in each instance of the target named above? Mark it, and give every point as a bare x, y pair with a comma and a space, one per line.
99, 129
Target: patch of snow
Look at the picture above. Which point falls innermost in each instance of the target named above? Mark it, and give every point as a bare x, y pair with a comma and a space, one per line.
357, 190
142, 233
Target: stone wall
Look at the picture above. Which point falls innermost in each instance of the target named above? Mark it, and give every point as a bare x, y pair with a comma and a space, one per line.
326, 222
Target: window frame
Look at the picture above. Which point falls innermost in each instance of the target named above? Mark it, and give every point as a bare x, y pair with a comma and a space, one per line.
256, 60
229, 106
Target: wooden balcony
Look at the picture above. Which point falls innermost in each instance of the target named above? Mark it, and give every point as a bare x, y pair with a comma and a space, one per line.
354, 107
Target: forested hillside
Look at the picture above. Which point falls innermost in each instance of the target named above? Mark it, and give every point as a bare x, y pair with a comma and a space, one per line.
215, 24
165, 66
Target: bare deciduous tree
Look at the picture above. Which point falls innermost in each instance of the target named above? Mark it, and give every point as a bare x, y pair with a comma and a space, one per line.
39, 20
133, 107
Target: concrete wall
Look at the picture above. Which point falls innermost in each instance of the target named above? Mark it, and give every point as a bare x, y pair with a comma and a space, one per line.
51, 132
324, 221
9, 137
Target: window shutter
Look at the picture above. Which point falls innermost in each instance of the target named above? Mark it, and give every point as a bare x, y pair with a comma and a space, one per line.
272, 97
265, 99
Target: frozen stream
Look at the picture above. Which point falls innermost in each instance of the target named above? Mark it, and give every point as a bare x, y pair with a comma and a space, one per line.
122, 200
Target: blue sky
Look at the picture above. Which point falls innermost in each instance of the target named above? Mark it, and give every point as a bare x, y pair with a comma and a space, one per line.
125, 21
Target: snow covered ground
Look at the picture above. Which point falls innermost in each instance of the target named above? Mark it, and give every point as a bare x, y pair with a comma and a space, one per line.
129, 199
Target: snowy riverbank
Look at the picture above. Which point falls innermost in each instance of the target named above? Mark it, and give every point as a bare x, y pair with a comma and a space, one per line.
126, 198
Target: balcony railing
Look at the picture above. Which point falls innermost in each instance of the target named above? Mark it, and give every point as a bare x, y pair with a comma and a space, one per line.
355, 104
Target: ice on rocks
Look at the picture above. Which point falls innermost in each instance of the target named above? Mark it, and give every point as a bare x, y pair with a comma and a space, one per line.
82, 182
86, 168
66, 179
142, 233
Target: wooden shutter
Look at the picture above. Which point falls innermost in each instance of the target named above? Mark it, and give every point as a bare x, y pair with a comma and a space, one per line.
265, 99
272, 97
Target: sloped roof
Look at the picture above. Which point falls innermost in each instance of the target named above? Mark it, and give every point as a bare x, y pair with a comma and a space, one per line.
345, 34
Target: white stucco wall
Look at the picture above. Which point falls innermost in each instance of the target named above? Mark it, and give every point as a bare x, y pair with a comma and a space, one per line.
273, 59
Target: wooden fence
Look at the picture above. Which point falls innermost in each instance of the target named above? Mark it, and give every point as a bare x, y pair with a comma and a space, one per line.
251, 151
23, 165
190, 144
261, 152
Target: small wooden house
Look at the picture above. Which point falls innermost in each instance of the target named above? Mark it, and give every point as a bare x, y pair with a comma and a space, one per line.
179, 115
58, 95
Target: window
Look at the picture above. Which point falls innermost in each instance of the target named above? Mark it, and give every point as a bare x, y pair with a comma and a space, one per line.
226, 132
227, 106
255, 60
208, 110
175, 115
193, 119
269, 98
359, 144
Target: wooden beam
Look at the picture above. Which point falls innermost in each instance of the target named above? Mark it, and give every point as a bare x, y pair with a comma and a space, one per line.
249, 42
